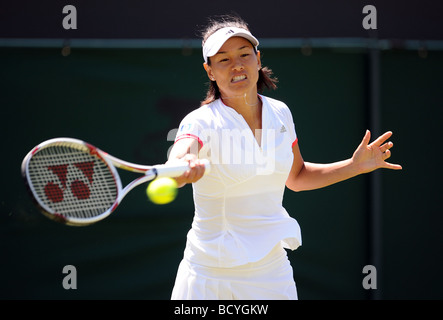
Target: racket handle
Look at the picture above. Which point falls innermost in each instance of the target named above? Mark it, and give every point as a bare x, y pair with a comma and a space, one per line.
207, 165
172, 171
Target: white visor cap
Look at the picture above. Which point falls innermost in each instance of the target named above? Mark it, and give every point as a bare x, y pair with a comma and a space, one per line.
218, 38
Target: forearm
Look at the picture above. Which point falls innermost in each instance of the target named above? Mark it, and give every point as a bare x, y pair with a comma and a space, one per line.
314, 175
178, 154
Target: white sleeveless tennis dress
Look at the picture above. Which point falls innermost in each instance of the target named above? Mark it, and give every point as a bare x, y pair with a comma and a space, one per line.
235, 248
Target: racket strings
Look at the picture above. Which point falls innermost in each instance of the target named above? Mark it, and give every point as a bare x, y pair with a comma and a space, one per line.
71, 182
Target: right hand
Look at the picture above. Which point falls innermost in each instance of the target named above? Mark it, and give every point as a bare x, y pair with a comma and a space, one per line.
195, 172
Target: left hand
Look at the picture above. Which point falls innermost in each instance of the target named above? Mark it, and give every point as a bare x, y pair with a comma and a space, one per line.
369, 157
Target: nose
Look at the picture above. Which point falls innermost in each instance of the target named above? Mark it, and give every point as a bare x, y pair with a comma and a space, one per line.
237, 65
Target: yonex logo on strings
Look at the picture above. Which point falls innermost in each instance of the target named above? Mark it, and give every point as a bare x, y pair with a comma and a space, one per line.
55, 192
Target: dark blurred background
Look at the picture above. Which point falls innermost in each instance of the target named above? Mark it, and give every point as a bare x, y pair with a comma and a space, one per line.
132, 69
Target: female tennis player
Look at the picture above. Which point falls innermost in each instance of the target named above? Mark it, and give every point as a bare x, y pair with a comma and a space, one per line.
236, 246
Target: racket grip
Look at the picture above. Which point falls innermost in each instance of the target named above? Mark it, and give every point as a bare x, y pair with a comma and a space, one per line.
207, 165
177, 170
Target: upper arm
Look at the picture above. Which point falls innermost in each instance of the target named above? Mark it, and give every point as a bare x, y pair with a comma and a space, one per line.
297, 163
189, 138
297, 166
182, 147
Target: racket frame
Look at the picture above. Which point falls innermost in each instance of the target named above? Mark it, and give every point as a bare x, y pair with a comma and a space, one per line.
149, 173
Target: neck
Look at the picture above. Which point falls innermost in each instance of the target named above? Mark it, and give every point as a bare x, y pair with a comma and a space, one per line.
244, 104
249, 108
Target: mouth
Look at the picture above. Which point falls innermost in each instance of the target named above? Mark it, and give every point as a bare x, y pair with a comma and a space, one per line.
238, 78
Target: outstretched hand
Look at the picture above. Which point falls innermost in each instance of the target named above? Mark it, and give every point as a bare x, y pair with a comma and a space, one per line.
369, 157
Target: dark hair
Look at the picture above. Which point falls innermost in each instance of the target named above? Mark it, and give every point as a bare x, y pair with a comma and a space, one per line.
265, 79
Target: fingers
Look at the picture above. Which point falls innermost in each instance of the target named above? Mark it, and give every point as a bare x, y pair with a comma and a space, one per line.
378, 142
386, 146
386, 155
386, 152
366, 138
195, 172
196, 169
393, 166
384, 149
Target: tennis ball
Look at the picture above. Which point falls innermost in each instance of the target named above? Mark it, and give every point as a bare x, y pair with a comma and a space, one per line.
162, 190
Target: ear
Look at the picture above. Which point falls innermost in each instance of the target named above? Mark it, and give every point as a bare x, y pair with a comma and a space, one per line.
208, 70
258, 60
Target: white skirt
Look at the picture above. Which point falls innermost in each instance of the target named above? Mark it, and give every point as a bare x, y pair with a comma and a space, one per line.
270, 278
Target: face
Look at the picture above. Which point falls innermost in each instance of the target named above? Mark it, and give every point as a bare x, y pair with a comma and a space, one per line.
235, 68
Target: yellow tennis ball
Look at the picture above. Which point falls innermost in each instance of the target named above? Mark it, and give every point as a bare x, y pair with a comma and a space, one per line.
162, 190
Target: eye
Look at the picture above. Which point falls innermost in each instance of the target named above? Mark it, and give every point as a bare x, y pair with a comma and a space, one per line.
245, 55
223, 60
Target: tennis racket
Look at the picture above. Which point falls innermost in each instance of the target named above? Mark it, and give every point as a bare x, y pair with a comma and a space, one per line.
75, 183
